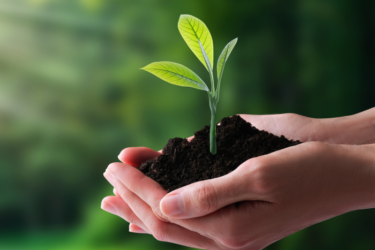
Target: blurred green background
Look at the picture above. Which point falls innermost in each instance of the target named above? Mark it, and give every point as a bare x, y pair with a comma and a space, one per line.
72, 97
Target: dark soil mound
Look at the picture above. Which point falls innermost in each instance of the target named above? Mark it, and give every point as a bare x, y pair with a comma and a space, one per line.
184, 162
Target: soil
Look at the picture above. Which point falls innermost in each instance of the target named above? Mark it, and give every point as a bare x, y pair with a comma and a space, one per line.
184, 162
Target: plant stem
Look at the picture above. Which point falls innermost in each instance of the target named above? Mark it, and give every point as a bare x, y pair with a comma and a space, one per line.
212, 85
217, 91
213, 125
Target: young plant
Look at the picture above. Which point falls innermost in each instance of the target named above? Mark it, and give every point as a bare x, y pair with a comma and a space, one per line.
198, 38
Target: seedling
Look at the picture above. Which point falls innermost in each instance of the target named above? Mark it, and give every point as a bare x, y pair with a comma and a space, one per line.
199, 39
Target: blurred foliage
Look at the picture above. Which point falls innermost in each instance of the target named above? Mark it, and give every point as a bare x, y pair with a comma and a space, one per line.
72, 97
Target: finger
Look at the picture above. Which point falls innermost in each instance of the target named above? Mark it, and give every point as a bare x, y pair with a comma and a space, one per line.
144, 187
136, 155
162, 231
204, 197
190, 138
133, 228
116, 205
191, 224
108, 178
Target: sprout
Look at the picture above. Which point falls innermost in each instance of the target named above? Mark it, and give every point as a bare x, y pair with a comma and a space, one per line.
199, 39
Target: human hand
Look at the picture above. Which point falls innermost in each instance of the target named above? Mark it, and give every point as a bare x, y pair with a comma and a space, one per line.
291, 125
262, 201
354, 129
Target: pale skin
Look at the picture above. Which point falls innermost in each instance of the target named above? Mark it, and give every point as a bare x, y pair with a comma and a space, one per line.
266, 198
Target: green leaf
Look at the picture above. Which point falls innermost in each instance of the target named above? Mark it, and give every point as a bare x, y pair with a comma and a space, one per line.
192, 29
205, 57
221, 64
208, 63
223, 57
176, 74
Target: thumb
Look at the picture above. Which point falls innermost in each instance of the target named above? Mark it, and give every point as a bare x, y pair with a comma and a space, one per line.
205, 197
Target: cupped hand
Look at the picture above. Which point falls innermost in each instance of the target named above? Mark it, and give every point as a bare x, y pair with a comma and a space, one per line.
262, 201
265, 199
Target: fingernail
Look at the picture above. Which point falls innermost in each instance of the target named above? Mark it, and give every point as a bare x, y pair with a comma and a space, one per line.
136, 229
172, 205
109, 208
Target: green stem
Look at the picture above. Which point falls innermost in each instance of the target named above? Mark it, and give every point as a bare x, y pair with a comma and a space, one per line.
212, 84
213, 125
217, 91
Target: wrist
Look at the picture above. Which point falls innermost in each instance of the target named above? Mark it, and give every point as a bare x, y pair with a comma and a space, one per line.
355, 129
368, 171
358, 176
